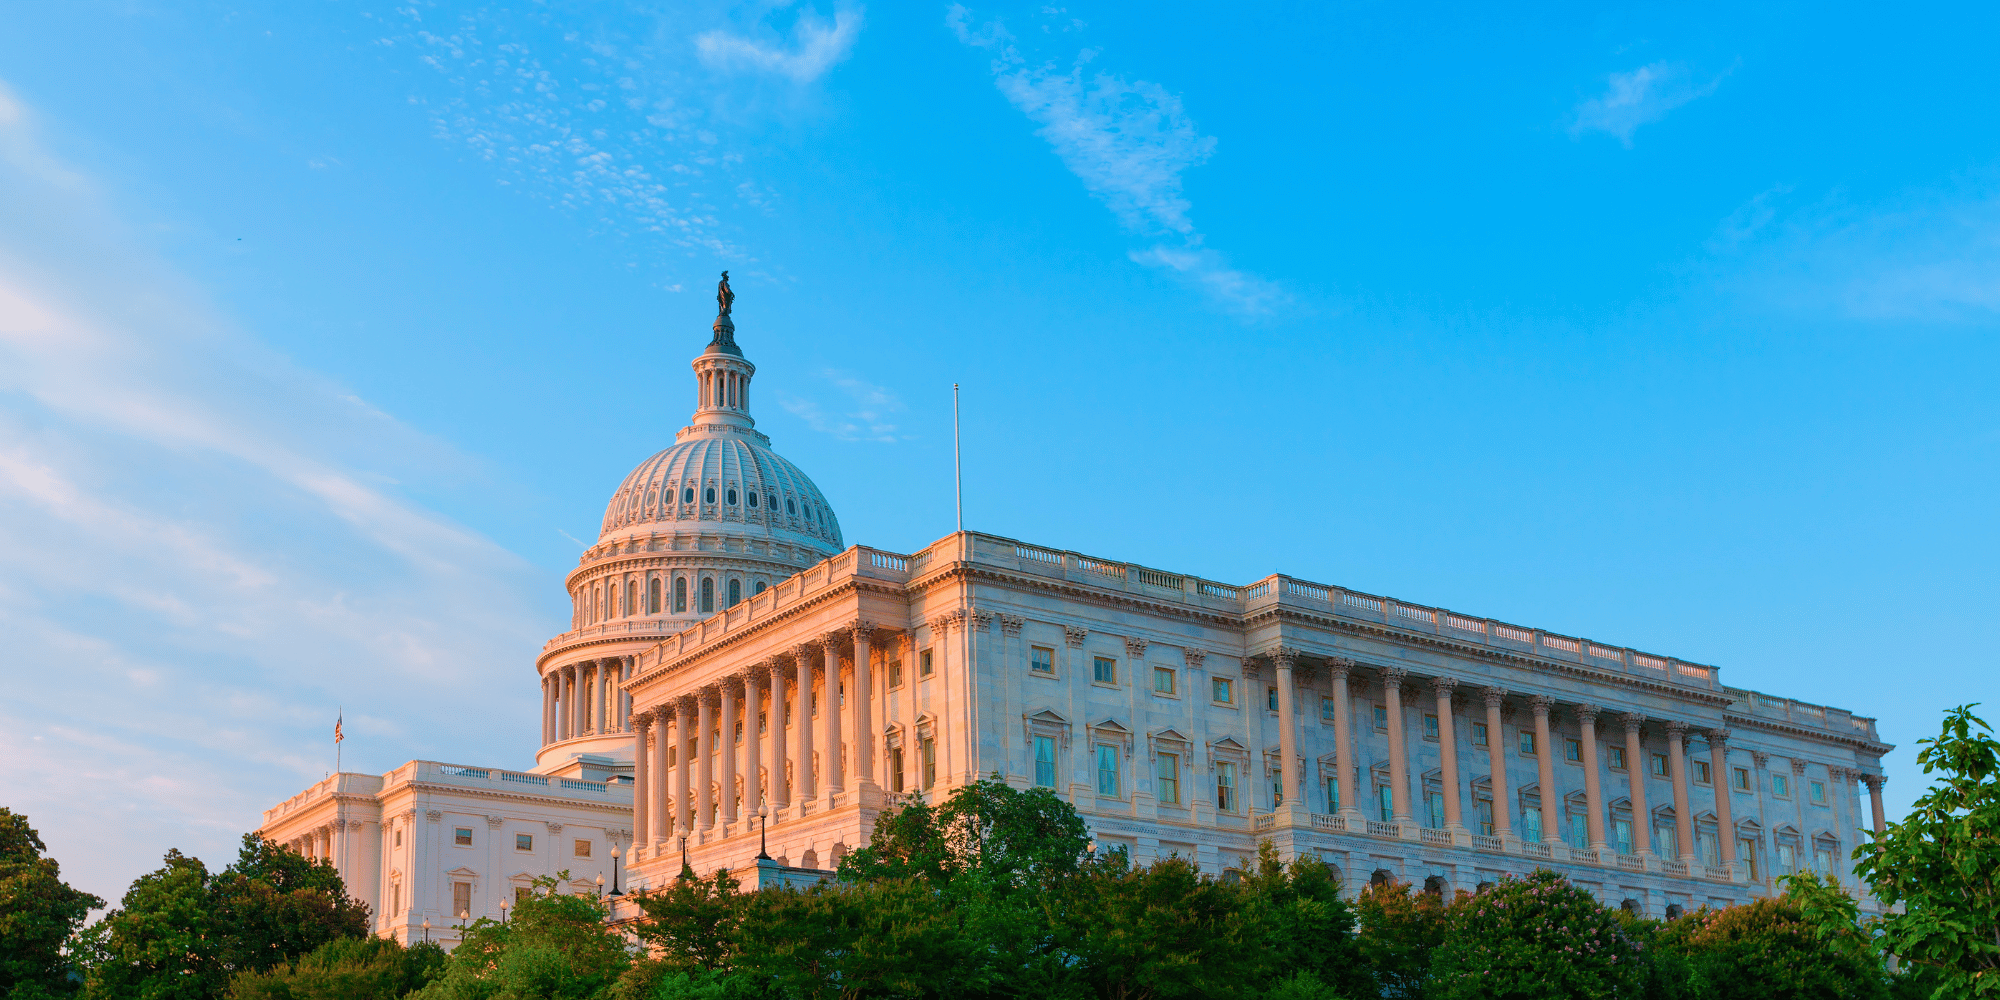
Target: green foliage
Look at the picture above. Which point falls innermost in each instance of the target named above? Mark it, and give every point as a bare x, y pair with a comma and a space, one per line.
693, 920
1399, 931
1532, 938
1308, 928
38, 913
1942, 863
182, 934
345, 969
1015, 837
1795, 945
554, 947
1164, 931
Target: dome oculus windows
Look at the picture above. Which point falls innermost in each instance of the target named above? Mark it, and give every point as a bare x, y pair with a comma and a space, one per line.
732, 496
790, 507
687, 495
753, 498
708, 495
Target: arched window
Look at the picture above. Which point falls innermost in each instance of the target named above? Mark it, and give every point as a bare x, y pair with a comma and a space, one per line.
707, 594
791, 507
753, 498
680, 594
708, 495
732, 496
759, 588
653, 596
735, 592
631, 598
687, 495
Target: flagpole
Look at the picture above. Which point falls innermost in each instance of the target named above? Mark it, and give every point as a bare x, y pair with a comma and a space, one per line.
957, 463
337, 720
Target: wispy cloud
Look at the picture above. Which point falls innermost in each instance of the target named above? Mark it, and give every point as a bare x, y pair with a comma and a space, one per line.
865, 413
1129, 142
1640, 96
199, 542
815, 47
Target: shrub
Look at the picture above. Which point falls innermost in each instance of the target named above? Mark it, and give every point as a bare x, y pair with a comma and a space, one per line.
1532, 938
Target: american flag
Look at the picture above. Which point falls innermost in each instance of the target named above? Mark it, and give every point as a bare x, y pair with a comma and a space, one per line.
336, 727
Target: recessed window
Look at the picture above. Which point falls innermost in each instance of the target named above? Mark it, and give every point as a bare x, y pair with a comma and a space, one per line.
1382, 717
1042, 660
1104, 670
896, 770
1045, 761
1781, 786
759, 588
771, 501
680, 594
927, 752
924, 667
732, 496
1107, 771
1163, 680
1479, 736
790, 507
522, 894
1328, 710
735, 593
1169, 778
462, 836
1431, 728
1739, 778
1818, 792
1225, 786
524, 841
708, 495
583, 848
1528, 744
1220, 690
1659, 765
1271, 699
399, 837
1573, 751
753, 498
461, 898
1701, 772
895, 673
1615, 756
687, 495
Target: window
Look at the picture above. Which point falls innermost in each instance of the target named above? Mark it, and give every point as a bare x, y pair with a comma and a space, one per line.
1667, 841
1225, 786
1219, 689
522, 894
1479, 736
1168, 766
461, 898
680, 594
708, 495
739, 734
1045, 761
1163, 680
1385, 802
1787, 863
1621, 835
1271, 699
1573, 751
928, 750
763, 722
707, 595
687, 495
1527, 743
1781, 786
1823, 861
759, 588
1818, 789
1531, 823
395, 898
1431, 728
732, 496
1739, 778
653, 596
1327, 709
1042, 660
1615, 756
790, 506
1104, 670
895, 673
1701, 772
1485, 809
752, 498
1578, 833
1277, 789
924, 667
735, 593
1333, 794
1659, 765
1746, 852
524, 841
1382, 717
1707, 847
1434, 801
896, 770
399, 837
462, 836
1107, 771
583, 848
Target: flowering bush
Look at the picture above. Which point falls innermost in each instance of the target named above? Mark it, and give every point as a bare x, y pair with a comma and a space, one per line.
1534, 937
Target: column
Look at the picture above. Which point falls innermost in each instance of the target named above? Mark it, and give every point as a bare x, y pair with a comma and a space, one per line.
642, 776
776, 786
728, 749
1288, 729
684, 747
1875, 783
1677, 773
548, 709
597, 695
864, 701
802, 743
667, 725
1343, 757
1593, 783
1454, 816
703, 746
573, 674
754, 681
1545, 762
1718, 781
829, 700
1635, 774
1496, 762
567, 678
1399, 766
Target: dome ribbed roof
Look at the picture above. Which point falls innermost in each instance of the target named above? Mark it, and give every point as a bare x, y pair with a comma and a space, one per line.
675, 487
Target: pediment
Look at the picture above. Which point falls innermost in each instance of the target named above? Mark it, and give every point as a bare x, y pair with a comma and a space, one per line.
1048, 717
1171, 734
1228, 743
463, 872
1112, 726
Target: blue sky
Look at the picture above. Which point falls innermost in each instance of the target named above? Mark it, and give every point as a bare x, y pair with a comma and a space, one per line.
326, 329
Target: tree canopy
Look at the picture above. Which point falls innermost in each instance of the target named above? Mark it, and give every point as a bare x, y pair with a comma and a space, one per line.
38, 914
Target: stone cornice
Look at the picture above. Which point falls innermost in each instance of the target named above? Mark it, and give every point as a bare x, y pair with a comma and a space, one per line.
434, 788
852, 585
1738, 722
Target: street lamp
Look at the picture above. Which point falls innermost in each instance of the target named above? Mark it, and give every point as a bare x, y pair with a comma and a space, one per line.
600, 885
427, 930
685, 868
462, 915
764, 832
614, 873
503, 909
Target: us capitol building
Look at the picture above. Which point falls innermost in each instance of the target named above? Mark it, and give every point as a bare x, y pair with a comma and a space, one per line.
735, 676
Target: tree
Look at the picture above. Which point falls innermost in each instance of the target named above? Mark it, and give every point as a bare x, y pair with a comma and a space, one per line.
1536, 937
1308, 929
1163, 931
1399, 931
1942, 863
555, 947
1018, 838
1805, 943
345, 969
693, 921
38, 914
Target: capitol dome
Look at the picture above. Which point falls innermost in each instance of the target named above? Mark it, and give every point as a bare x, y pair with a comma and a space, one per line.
728, 479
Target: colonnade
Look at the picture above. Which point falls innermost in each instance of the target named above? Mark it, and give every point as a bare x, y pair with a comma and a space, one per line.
690, 746
585, 697
318, 843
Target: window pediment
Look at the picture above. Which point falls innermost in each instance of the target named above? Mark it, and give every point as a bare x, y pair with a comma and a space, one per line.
462, 872
1109, 731
1046, 723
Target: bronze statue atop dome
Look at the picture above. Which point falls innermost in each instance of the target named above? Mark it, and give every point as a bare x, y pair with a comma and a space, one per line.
724, 298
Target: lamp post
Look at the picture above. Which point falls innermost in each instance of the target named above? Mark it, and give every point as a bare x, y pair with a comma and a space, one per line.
614, 874
427, 930
685, 867
764, 832
462, 916
503, 909
600, 885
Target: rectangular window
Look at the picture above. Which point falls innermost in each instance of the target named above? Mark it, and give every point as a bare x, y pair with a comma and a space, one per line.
1615, 756
522, 894
1385, 802
1277, 790
1382, 717
1333, 794
1527, 743
1701, 772
462, 836
924, 666
1786, 861
1531, 823
1431, 728
1739, 779
1107, 771
1435, 802
1579, 831
1042, 660
1163, 680
524, 841
395, 898
739, 734
583, 848
1746, 852
1271, 698
1479, 736
1621, 834
895, 673
812, 704
1045, 761
1659, 768
1708, 847
1104, 670
1327, 708
1225, 786
896, 770
1220, 690
1573, 751
1169, 778
1818, 792
461, 898
1823, 862
927, 750
1485, 809
1781, 786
